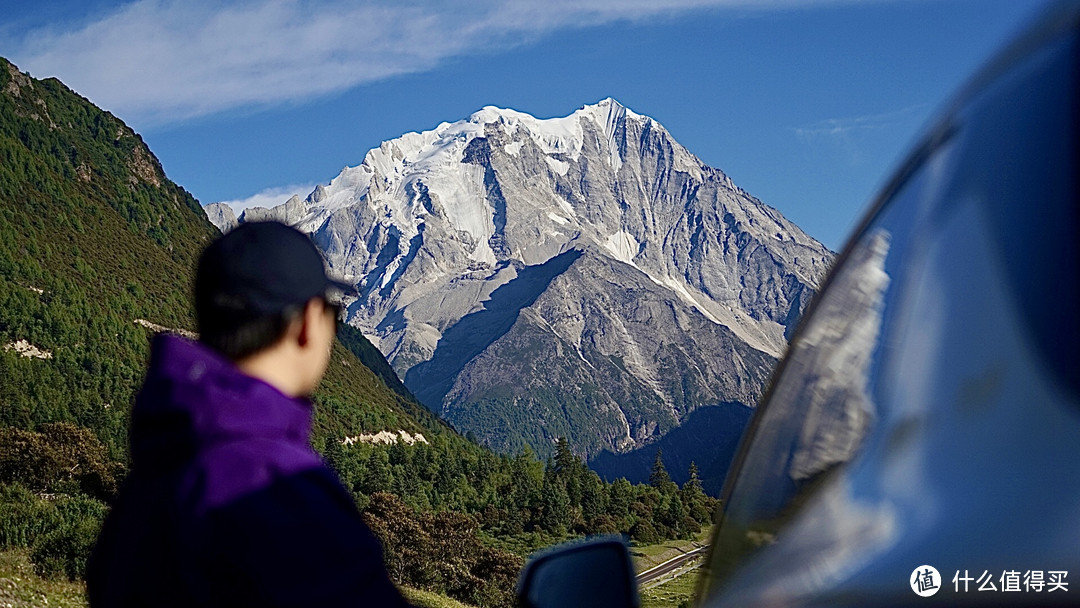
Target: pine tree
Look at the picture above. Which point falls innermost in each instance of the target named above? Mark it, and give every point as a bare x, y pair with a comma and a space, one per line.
592, 498
377, 476
527, 480
659, 477
334, 456
569, 468
693, 497
565, 460
556, 504
693, 482
673, 518
621, 494
397, 453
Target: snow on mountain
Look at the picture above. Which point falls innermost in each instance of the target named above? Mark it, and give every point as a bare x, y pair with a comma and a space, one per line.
487, 218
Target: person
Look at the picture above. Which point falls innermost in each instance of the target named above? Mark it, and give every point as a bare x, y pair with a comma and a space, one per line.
226, 503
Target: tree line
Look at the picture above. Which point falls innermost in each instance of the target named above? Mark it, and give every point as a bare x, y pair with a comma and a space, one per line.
517, 496
452, 521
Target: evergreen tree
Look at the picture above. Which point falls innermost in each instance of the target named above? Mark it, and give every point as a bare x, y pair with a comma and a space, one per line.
397, 453
565, 460
424, 462
333, 454
556, 504
592, 498
694, 500
570, 469
672, 516
693, 482
526, 480
376, 476
620, 494
659, 477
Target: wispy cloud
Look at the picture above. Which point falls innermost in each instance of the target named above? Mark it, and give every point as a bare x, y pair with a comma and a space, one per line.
844, 127
270, 197
852, 139
162, 61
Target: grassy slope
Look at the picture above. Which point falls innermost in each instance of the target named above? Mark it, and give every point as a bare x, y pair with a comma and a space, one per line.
672, 594
88, 217
20, 587
426, 599
647, 556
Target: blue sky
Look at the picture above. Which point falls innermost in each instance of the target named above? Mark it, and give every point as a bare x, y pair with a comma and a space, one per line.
807, 104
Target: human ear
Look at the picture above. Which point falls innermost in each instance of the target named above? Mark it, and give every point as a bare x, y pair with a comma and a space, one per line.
308, 320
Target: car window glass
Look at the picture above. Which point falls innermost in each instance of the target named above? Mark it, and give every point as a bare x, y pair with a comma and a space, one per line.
856, 367
822, 405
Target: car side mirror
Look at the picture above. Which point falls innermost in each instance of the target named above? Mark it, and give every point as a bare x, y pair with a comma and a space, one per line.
596, 573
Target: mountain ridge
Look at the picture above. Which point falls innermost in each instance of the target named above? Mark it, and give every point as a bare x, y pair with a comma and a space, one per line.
432, 225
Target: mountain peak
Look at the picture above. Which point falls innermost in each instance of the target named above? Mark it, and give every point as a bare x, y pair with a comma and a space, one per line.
610, 116
495, 114
506, 261
608, 105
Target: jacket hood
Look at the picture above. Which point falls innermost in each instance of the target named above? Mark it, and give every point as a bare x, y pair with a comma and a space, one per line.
193, 397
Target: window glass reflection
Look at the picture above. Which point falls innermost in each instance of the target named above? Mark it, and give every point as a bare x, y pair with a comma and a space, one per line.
822, 406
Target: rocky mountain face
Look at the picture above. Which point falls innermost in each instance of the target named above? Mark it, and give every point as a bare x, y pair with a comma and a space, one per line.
584, 276
222, 216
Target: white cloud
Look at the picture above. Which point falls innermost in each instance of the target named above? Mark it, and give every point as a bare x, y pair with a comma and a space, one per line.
163, 61
270, 197
851, 138
842, 127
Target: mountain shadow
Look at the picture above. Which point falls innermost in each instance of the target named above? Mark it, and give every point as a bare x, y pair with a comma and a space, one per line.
431, 380
708, 437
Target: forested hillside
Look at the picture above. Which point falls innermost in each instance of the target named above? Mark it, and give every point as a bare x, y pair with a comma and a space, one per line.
97, 248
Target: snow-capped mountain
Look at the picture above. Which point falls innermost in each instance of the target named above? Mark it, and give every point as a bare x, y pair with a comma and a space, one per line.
584, 276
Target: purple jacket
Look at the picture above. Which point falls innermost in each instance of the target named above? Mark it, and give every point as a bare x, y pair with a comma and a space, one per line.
226, 503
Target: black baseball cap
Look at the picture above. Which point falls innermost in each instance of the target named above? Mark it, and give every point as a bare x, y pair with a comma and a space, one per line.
261, 269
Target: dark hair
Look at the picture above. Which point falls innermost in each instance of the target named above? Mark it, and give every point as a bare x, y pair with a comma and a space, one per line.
237, 336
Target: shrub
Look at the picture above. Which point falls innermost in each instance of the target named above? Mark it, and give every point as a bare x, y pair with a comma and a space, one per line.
60, 458
23, 516
441, 552
65, 549
644, 532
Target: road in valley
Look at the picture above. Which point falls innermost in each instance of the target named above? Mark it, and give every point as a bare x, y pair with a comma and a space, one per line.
667, 567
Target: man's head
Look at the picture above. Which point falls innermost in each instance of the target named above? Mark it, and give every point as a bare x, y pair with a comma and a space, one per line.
261, 301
